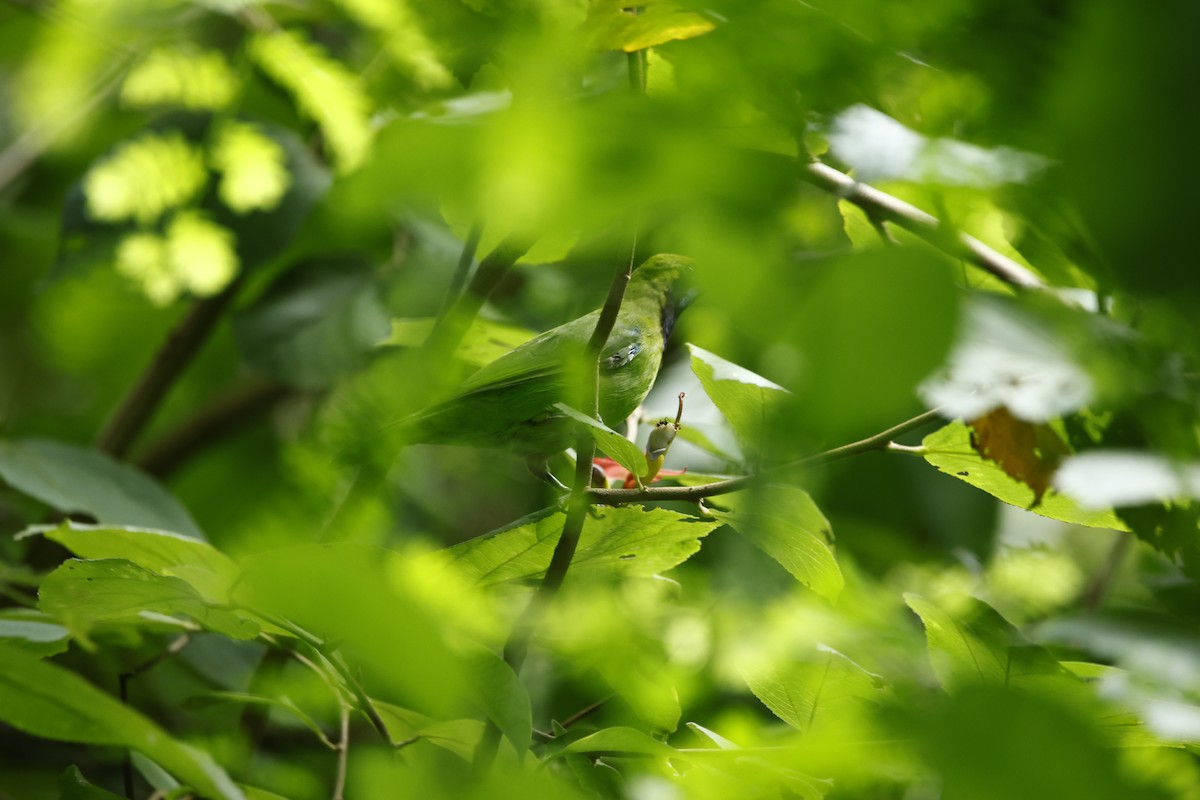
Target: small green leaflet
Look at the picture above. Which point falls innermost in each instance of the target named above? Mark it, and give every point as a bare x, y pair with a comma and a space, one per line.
625, 540
786, 524
613, 444
45, 700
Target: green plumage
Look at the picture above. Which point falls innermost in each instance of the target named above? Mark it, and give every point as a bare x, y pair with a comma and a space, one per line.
509, 403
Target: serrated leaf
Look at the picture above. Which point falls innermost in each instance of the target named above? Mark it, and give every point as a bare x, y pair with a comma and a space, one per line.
32, 631
949, 449
320, 319
1026, 451
84, 594
50, 702
627, 541
611, 443
209, 571
74, 479
748, 401
786, 524
812, 693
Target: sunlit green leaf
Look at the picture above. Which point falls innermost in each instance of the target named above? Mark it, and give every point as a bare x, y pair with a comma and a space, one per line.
252, 165
144, 178
786, 524
609, 442
748, 401
816, 692
628, 541
194, 79
85, 594
949, 449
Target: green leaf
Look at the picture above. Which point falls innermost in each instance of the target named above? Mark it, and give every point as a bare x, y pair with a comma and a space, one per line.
284, 702
625, 541
611, 443
747, 400
972, 643
620, 741
48, 701
611, 25
73, 786
209, 571
786, 524
32, 631
949, 449
84, 594
816, 692
502, 696
319, 320
74, 479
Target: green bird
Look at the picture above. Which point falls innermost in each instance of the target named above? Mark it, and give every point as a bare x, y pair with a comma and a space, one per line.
509, 403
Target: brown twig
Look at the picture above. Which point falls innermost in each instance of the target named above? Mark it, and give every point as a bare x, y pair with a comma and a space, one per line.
882, 207
226, 414
878, 442
181, 345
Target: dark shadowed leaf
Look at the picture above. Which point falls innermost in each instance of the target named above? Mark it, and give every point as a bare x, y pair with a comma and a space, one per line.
74, 479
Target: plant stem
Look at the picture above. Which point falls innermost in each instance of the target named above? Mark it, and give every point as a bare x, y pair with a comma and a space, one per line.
225, 415
466, 260
181, 345
339, 784
882, 207
878, 442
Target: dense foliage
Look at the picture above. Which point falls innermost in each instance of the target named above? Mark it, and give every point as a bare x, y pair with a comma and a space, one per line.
242, 240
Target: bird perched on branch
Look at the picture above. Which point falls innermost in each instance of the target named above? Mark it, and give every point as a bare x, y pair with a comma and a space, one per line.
509, 403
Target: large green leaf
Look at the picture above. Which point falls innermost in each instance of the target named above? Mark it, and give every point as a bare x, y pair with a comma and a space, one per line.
74, 479
950, 450
84, 594
319, 320
209, 571
624, 541
747, 400
502, 696
821, 690
46, 700
971, 643
786, 524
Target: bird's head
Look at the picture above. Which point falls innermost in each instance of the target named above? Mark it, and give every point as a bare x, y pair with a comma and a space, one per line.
668, 277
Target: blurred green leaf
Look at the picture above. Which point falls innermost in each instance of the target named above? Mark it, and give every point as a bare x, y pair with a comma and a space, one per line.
48, 701
484, 341
74, 479
320, 319
613, 26
85, 594
622, 540
620, 741
815, 692
786, 524
73, 786
503, 698
33, 631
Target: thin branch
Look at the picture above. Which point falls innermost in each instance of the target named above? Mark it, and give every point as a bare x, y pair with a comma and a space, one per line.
466, 260
123, 679
181, 345
882, 207
879, 442
226, 414
1094, 596
452, 325
343, 747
